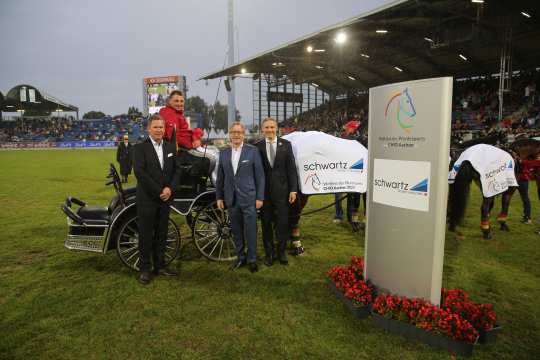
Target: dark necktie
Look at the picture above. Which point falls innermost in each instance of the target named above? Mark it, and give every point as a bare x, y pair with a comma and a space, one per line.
272, 154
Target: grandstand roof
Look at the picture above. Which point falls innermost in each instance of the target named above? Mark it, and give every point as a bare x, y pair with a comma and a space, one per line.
423, 38
25, 97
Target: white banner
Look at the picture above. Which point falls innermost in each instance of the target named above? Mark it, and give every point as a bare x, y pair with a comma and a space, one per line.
327, 164
495, 166
403, 184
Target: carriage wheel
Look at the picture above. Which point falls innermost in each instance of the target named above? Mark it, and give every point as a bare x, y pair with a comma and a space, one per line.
127, 244
212, 234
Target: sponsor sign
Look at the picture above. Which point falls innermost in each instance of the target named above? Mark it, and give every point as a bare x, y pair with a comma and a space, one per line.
86, 144
409, 143
403, 184
327, 164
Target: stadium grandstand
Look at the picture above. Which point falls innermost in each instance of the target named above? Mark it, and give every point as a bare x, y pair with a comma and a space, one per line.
491, 48
58, 128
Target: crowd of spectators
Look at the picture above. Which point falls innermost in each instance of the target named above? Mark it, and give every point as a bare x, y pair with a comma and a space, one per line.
55, 129
475, 112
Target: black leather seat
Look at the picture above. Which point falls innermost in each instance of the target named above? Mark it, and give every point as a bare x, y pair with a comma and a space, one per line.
93, 213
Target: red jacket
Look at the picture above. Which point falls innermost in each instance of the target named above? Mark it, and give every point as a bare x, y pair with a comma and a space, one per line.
527, 169
175, 119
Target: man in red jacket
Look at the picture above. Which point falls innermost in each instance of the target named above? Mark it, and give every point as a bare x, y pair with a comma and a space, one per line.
173, 114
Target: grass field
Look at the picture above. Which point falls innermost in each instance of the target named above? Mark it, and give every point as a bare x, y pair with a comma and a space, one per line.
57, 304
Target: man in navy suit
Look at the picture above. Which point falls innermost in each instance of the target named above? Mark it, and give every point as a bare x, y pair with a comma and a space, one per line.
157, 175
240, 187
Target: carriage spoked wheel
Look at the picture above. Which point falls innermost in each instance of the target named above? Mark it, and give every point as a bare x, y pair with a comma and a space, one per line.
127, 244
212, 233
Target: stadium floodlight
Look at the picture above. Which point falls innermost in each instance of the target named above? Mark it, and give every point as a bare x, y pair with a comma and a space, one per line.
364, 55
319, 67
319, 50
463, 57
314, 84
309, 49
350, 77
477, 1
381, 31
243, 70
398, 68
526, 14
340, 38
428, 39
10, 106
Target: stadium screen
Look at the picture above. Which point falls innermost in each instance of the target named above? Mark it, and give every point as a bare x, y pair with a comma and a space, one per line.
157, 89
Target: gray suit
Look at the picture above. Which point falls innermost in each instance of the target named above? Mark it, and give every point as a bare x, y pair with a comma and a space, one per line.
239, 192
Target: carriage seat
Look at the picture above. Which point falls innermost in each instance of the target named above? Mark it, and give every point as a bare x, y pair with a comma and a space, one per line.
93, 213
194, 172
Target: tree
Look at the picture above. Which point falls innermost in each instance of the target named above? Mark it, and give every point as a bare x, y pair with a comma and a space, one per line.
133, 111
197, 104
221, 117
94, 115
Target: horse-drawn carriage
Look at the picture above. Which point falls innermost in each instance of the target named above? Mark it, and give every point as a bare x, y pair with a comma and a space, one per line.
104, 229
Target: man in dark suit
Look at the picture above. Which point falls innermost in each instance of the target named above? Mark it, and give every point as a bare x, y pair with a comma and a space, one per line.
156, 173
124, 157
240, 187
280, 191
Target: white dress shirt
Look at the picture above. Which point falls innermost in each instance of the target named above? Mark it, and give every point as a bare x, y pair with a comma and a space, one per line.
159, 151
235, 157
272, 143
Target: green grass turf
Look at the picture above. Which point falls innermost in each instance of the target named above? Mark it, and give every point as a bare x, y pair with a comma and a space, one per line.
58, 304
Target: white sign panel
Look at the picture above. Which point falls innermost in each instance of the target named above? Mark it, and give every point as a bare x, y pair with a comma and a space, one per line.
327, 164
409, 143
495, 166
403, 184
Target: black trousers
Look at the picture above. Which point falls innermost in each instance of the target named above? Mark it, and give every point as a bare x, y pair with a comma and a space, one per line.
275, 219
153, 224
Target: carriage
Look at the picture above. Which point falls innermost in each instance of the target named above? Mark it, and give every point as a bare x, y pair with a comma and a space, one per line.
114, 227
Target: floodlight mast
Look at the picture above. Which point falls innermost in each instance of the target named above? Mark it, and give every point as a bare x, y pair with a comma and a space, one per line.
231, 114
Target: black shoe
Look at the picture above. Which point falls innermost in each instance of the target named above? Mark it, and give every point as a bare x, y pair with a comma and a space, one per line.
145, 278
268, 260
238, 264
283, 260
166, 272
253, 267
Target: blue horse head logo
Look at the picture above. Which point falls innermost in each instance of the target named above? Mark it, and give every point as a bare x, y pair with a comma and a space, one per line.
404, 106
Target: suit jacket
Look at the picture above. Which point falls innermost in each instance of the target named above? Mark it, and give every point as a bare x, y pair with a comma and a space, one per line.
281, 179
151, 179
247, 185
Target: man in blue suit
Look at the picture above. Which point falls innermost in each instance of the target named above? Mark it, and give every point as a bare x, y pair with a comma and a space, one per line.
240, 187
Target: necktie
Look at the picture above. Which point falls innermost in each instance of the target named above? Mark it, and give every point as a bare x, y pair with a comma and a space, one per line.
272, 154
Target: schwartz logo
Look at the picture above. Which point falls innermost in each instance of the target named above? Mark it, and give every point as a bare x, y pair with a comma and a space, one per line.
341, 165
404, 107
359, 165
420, 188
315, 182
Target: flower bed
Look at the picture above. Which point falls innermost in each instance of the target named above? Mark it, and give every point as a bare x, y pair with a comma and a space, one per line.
456, 325
348, 284
481, 316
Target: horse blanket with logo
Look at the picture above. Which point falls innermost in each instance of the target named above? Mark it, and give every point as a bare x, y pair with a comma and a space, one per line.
495, 166
327, 164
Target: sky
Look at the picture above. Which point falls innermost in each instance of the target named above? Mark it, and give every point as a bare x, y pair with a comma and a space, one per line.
94, 54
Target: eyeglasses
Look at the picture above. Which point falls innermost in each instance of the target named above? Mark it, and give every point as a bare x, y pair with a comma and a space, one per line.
236, 132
